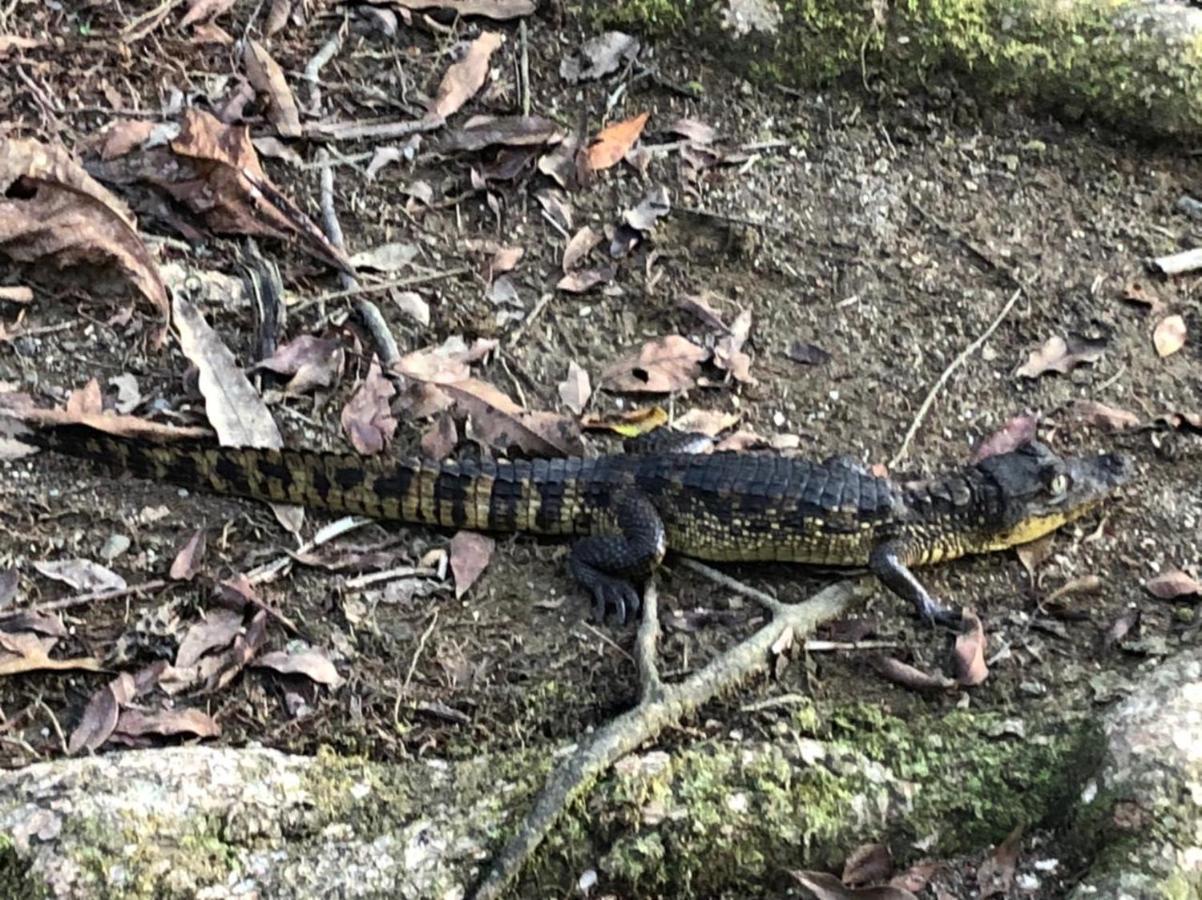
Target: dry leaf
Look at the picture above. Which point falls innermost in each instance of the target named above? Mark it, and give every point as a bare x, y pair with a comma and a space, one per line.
598, 57
586, 279
575, 390
996, 874
51, 210
909, 676
81, 574
466, 77
367, 419
650, 210
25, 652
510, 131
1169, 336
219, 177
313, 664
868, 863
189, 558
205, 10
215, 631
125, 135
277, 17
470, 553
556, 208
412, 305
824, 886
1059, 355
100, 715
709, 422
1173, 584
504, 425
312, 362
267, 78
1108, 418
578, 247
661, 366
386, 258
968, 656
441, 438
613, 143
628, 424
86, 407
1015, 433
728, 352
492, 9
447, 363
695, 131
166, 722
807, 354
564, 164
232, 405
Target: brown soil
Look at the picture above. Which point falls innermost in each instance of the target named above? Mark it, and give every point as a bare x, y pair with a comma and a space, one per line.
850, 256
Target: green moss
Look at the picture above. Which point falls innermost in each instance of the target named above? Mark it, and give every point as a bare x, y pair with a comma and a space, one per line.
16, 881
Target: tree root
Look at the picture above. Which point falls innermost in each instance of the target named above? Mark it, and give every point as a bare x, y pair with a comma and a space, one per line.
661, 706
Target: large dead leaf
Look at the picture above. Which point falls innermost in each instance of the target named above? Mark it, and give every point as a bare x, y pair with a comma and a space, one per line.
85, 406
447, 363
666, 364
1169, 336
204, 11
579, 246
1173, 584
598, 57
25, 652
504, 425
187, 561
511, 131
224, 182
215, 631
367, 418
728, 352
575, 390
81, 574
232, 405
52, 210
100, 715
266, 77
313, 664
613, 143
166, 722
312, 362
1060, 355
470, 554
465, 77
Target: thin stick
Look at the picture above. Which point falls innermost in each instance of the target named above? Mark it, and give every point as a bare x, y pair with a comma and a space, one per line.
268, 571
606, 639
362, 581
356, 131
765, 600
382, 286
827, 646
316, 64
417, 654
644, 646
146, 587
524, 68
947, 373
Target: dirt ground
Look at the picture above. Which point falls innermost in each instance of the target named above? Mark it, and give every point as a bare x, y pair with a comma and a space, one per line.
883, 229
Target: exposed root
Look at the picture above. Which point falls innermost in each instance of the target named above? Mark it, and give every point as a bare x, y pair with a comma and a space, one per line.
661, 706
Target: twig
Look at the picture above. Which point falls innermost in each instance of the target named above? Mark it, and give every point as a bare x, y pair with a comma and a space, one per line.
765, 600
146, 587
58, 729
357, 131
652, 715
369, 313
524, 67
417, 655
947, 373
827, 646
268, 571
644, 646
516, 334
727, 217
606, 639
316, 64
147, 22
362, 581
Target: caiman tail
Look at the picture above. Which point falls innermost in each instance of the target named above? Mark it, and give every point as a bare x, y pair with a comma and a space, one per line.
537, 496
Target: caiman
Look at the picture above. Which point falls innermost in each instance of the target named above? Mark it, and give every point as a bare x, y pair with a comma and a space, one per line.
628, 510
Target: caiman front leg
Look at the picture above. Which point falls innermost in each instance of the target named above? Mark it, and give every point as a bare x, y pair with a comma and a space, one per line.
609, 564
890, 562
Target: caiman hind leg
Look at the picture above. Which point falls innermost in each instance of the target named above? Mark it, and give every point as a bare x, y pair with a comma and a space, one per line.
632, 545
889, 562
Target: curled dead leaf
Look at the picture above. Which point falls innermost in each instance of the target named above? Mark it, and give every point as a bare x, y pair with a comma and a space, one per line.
313, 664
575, 390
167, 722
367, 418
661, 366
188, 560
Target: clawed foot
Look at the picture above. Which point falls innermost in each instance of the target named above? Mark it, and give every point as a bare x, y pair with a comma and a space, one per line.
614, 594
931, 613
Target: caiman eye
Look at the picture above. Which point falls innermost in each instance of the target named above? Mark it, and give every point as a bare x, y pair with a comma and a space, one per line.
1059, 484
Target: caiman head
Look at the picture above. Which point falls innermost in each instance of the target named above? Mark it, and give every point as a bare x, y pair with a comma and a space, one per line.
1038, 491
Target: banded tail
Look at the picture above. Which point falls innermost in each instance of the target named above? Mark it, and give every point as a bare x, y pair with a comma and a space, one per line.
537, 496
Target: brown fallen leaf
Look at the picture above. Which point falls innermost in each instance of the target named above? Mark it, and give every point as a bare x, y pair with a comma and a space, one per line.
1124, 625
1015, 433
100, 715
612, 144
575, 390
188, 560
492, 9
51, 210
968, 656
1100, 415
277, 17
441, 438
629, 424
511, 131
81, 574
504, 425
918, 876
909, 676
232, 405
312, 362
702, 306
470, 553
367, 418
728, 352
661, 366
312, 663
566, 165
824, 886
215, 631
996, 874
267, 78
1169, 336
556, 208
1060, 355
204, 11
123, 136
582, 280
445, 364
217, 174
26, 652
598, 57
694, 130
464, 78
1171, 585
579, 246
229, 664
85, 406
866, 864
167, 722
710, 422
